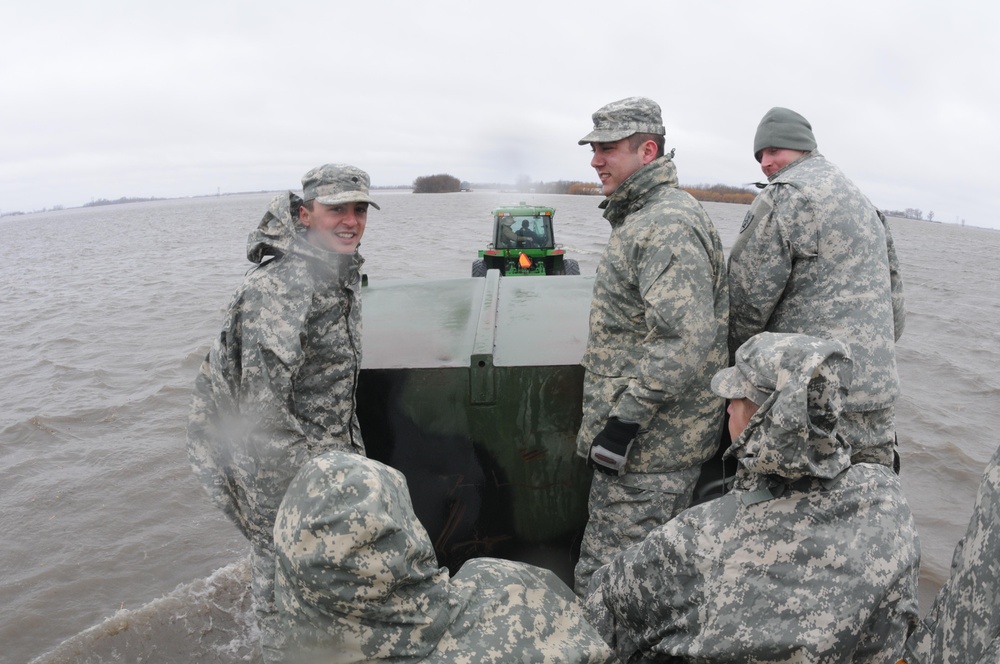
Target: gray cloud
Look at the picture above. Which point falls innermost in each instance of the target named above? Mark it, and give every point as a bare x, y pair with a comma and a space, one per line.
112, 99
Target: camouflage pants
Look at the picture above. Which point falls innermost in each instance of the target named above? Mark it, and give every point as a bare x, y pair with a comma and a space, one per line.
623, 510
262, 567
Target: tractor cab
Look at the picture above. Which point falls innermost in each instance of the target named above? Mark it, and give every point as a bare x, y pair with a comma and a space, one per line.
523, 244
514, 230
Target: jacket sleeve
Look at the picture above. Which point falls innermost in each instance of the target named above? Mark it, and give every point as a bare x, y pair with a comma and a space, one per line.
652, 590
271, 356
243, 439
963, 623
887, 627
675, 279
896, 282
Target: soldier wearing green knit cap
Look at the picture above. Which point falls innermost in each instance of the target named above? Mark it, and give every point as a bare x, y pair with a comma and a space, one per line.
814, 256
782, 129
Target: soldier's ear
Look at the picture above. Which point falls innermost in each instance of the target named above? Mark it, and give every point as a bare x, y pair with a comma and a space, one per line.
648, 151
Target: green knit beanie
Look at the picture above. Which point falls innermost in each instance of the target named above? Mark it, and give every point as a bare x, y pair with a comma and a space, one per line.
783, 128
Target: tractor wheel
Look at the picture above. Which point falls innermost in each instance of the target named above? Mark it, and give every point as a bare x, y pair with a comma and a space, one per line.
479, 268
570, 266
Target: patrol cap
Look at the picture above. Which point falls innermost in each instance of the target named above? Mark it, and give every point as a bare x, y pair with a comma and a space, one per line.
331, 184
770, 361
783, 128
620, 119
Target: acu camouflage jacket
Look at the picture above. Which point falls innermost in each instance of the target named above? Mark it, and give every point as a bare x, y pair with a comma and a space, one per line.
658, 323
963, 624
814, 256
278, 385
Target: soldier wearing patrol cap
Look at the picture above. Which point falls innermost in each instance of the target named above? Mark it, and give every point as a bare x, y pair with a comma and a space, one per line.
277, 386
808, 559
657, 335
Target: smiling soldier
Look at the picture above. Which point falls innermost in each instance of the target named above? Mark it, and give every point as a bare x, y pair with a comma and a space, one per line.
658, 323
278, 385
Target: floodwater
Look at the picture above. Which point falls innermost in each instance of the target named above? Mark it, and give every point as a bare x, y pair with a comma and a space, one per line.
107, 313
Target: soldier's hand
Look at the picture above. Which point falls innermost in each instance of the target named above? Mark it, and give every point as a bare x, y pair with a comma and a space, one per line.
609, 451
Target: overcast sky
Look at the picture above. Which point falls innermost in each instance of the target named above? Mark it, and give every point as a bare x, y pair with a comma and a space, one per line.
107, 99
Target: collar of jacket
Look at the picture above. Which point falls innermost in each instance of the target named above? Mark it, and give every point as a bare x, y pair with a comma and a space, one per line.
784, 171
345, 268
631, 195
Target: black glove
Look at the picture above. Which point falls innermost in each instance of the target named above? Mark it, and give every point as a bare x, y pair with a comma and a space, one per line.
609, 451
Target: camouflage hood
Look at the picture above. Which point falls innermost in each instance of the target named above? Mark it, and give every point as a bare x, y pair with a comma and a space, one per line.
356, 565
793, 434
274, 235
631, 194
357, 580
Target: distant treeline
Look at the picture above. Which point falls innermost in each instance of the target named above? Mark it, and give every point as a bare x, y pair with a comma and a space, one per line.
721, 193
123, 199
910, 213
445, 183
715, 193
442, 183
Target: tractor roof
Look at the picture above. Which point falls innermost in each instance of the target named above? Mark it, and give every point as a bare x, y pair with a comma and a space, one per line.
523, 210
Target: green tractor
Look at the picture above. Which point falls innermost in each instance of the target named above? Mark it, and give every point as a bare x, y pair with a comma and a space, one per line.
523, 244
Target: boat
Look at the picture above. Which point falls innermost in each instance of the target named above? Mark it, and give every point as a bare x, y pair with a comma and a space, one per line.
472, 387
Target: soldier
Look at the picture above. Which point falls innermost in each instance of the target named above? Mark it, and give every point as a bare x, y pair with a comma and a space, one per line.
277, 386
357, 581
808, 559
963, 624
814, 256
657, 335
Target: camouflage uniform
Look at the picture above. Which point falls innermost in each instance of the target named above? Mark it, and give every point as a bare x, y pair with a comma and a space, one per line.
808, 559
277, 387
814, 256
963, 624
657, 335
357, 581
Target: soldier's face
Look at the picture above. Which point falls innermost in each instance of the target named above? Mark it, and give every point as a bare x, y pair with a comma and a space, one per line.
740, 411
615, 162
335, 227
773, 160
